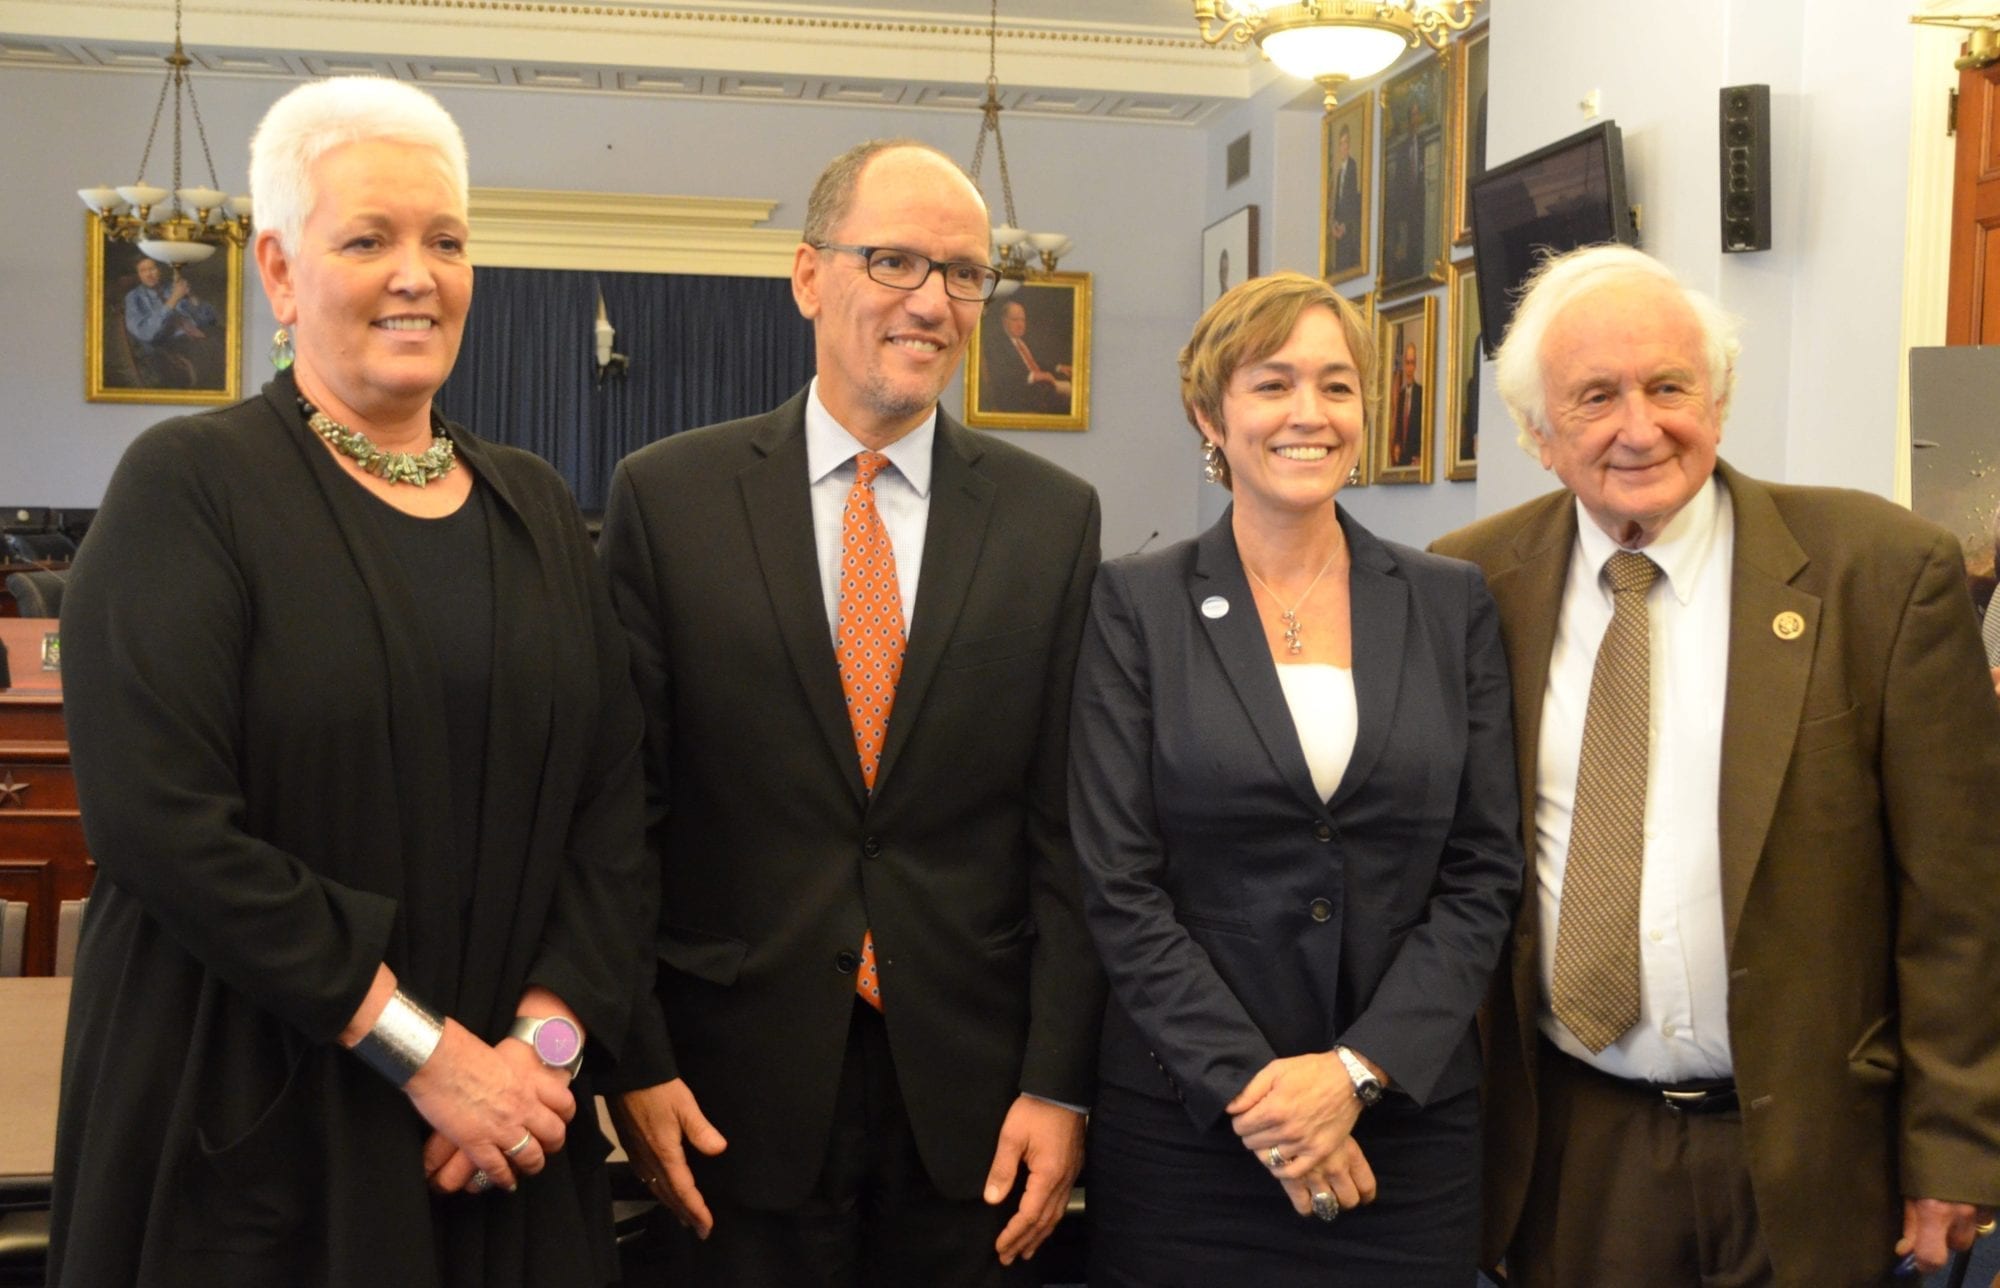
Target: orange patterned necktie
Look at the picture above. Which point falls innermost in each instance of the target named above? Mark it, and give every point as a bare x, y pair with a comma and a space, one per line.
870, 647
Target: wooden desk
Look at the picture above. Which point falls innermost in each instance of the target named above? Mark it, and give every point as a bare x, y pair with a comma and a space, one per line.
33, 1016
42, 856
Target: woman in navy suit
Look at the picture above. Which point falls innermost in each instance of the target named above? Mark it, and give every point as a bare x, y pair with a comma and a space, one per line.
1293, 790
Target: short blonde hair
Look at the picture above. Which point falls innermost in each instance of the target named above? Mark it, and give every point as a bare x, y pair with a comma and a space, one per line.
320, 116
1251, 322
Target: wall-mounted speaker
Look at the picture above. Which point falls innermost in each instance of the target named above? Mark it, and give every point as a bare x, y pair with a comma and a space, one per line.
1746, 168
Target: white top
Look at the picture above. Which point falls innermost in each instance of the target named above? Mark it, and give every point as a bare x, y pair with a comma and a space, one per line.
1321, 697
1683, 1028
902, 498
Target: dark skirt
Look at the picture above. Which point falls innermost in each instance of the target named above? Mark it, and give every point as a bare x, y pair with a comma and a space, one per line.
1172, 1207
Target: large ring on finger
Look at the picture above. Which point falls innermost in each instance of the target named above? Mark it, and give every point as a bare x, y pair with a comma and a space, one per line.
479, 1184
1274, 1158
1325, 1206
519, 1145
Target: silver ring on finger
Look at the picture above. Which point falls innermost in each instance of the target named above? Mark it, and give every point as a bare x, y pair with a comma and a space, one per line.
519, 1145
1274, 1158
479, 1184
1325, 1206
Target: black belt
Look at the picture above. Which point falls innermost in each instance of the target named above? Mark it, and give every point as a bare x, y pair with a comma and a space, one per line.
1704, 1096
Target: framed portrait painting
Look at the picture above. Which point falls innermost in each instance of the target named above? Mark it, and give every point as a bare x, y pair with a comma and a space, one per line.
160, 333
1461, 375
1415, 168
1468, 127
1402, 450
1347, 164
1028, 366
1228, 253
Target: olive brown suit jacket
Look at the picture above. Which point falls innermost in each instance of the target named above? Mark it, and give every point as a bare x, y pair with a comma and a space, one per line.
1860, 751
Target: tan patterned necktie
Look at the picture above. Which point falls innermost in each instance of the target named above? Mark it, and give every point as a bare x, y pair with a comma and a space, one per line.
870, 647
1597, 941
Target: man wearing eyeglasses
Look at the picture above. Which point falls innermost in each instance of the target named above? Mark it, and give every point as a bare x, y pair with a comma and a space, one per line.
871, 1036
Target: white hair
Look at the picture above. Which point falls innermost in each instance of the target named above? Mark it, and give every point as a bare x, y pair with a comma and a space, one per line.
320, 116
1558, 282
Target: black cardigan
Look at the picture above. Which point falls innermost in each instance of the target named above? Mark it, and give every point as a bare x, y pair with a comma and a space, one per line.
258, 732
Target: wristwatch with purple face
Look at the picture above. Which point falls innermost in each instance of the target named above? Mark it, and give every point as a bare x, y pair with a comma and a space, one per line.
554, 1039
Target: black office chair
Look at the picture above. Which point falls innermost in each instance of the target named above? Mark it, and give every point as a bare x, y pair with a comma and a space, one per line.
37, 593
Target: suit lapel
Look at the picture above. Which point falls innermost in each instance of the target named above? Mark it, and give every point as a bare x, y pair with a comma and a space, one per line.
778, 509
961, 501
1379, 617
1529, 594
1767, 684
1528, 591
1237, 637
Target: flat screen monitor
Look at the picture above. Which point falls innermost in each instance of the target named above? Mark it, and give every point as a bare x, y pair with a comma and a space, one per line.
1568, 194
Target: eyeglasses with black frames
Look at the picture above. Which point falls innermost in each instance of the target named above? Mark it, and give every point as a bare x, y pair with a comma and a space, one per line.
905, 270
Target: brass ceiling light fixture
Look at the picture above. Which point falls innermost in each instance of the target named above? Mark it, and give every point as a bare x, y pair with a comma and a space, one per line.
1011, 244
178, 225
1333, 41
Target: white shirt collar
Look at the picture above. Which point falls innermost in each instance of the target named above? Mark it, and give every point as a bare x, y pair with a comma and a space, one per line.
1681, 549
829, 446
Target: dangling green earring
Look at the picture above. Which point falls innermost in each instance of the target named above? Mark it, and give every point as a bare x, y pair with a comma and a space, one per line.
281, 350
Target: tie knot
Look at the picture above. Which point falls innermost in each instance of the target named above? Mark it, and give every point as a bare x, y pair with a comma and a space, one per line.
1630, 571
866, 466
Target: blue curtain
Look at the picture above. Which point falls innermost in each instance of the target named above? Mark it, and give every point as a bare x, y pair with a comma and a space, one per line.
702, 349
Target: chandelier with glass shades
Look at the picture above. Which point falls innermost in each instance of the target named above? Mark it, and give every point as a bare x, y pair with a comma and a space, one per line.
1011, 244
181, 225
1333, 41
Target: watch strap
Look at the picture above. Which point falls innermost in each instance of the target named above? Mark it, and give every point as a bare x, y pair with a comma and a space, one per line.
1367, 1087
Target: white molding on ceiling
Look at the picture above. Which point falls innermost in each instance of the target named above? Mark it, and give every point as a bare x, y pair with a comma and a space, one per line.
628, 233
732, 49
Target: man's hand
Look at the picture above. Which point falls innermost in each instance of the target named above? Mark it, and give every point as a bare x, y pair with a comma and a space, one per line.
1934, 1229
1351, 1181
1996, 680
1049, 1139
656, 1124
178, 292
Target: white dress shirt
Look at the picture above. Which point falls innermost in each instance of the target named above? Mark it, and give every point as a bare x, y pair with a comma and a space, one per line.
1683, 1028
902, 498
1321, 696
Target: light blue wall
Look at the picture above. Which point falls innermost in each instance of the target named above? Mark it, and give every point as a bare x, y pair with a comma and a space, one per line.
1136, 222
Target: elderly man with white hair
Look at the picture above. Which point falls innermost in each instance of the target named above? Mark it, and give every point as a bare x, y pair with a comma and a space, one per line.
1746, 1031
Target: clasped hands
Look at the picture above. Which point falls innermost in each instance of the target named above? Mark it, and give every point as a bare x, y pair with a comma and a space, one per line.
497, 1111
1304, 1107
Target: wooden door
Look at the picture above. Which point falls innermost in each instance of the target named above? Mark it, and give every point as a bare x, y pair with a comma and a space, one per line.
1973, 309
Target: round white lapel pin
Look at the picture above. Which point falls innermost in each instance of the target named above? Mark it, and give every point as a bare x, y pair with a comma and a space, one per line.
1215, 606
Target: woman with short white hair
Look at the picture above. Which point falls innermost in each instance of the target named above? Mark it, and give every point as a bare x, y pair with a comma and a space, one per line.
358, 760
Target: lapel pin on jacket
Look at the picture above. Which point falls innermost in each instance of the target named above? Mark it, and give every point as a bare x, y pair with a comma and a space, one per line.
1788, 625
1215, 606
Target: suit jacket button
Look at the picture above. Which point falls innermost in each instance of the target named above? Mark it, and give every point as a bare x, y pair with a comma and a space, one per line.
1321, 910
871, 846
1322, 832
846, 960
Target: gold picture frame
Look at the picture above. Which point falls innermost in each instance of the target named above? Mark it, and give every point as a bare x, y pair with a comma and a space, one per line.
1050, 387
1461, 375
1469, 68
197, 360
1403, 450
1416, 176
1346, 192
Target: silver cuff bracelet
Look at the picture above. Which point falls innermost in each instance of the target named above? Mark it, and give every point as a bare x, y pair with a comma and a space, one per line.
403, 1038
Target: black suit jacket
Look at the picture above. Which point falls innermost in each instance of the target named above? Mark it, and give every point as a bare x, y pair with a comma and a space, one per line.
1241, 917
1347, 212
774, 859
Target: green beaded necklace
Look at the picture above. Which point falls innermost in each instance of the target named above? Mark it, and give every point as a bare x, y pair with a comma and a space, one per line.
418, 469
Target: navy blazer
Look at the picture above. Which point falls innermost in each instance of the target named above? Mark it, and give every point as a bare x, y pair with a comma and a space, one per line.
1240, 917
